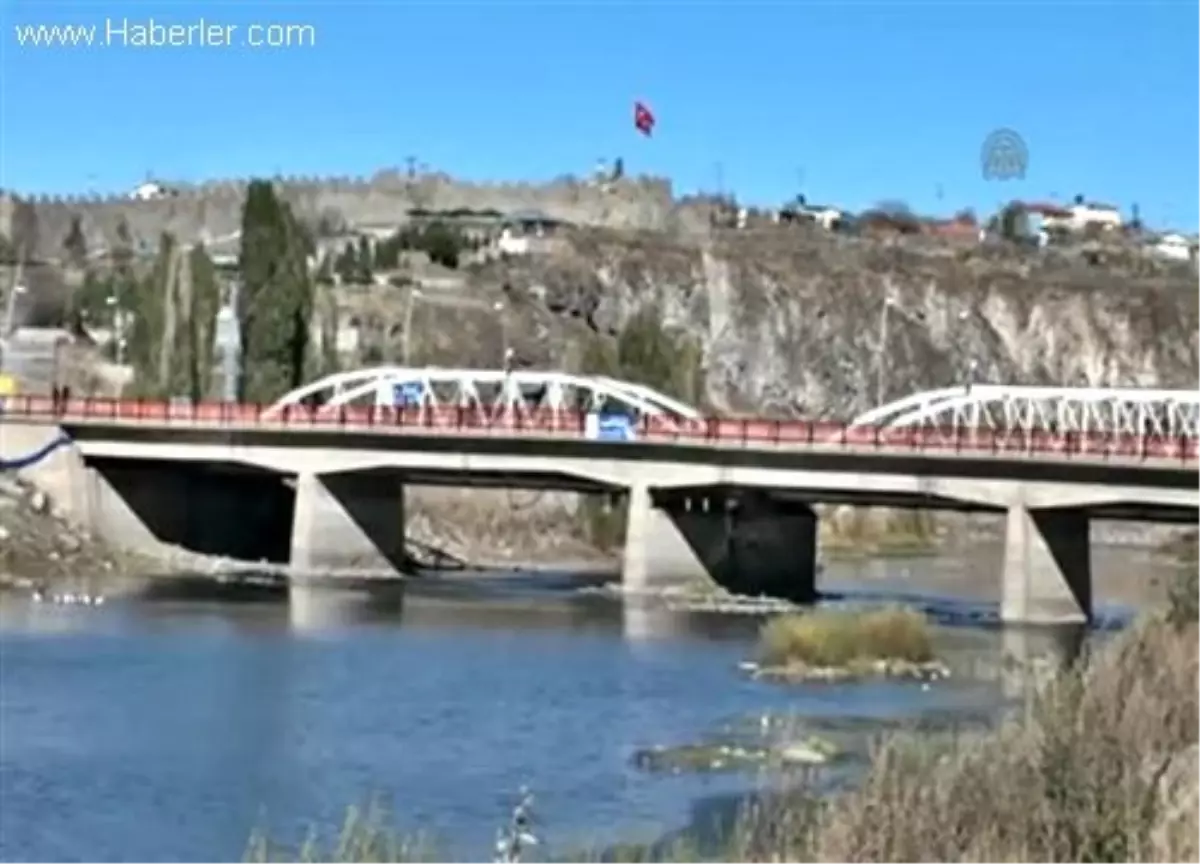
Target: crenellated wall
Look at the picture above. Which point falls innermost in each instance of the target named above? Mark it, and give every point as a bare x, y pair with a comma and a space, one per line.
213, 210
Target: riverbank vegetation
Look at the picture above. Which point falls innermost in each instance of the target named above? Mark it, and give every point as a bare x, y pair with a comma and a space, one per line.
1099, 765
851, 640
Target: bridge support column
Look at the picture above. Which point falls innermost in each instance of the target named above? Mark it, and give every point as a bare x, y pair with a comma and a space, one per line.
657, 555
1047, 567
349, 522
108, 515
747, 543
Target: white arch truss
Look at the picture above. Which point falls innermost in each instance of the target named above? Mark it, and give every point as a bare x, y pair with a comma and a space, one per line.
491, 393
1089, 411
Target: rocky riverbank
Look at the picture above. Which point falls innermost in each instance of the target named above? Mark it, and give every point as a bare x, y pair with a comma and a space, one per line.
40, 548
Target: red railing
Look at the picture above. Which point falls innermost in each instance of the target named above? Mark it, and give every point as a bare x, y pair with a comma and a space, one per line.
750, 432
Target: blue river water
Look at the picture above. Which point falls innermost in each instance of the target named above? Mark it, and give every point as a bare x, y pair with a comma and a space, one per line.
170, 730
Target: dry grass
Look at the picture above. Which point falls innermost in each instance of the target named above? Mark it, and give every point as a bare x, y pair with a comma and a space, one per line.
828, 638
1102, 767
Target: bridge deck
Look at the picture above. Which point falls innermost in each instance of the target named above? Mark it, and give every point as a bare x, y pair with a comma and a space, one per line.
302, 425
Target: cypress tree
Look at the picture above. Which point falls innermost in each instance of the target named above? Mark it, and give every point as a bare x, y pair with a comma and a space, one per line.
275, 300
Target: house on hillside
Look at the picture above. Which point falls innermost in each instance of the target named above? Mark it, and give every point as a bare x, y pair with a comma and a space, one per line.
962, 229
1044, 219
527, 231
480, 226
800, 210
1083, 216
1174, 247
883, 224
151, 190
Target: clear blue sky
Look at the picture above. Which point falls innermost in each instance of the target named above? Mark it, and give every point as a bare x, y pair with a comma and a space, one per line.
862, 101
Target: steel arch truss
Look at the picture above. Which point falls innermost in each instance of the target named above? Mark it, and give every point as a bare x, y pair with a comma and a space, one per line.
1087, 412
489, 395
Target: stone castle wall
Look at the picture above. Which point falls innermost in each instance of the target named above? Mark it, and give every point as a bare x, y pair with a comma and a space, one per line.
212, 210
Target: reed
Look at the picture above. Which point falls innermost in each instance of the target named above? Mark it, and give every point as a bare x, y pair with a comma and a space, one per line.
837, 638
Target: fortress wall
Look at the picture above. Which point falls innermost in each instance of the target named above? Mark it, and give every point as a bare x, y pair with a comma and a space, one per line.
214, 208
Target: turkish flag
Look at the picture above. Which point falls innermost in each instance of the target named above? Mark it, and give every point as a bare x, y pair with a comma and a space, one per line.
643, 118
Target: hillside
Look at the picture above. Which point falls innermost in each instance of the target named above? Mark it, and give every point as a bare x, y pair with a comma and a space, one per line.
789, 323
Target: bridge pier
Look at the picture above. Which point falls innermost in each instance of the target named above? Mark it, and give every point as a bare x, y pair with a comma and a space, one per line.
1047, 567
106, 513
744, 541
352, 521
207, 508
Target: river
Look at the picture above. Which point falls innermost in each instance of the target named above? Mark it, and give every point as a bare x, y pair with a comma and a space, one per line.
169, 730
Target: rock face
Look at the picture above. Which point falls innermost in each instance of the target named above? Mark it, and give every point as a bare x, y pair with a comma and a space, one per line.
793, 323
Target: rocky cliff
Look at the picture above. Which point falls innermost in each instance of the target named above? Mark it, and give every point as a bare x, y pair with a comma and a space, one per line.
791, 323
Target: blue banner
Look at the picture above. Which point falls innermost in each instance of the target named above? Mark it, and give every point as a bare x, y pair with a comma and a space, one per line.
615, 427
408, 393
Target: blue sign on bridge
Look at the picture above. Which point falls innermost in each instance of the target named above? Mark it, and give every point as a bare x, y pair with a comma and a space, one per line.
614, 427
408, 393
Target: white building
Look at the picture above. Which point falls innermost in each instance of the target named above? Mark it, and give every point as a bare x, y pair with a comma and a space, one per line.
822, 214
1174, 247
149, 191
1080, 215
528, 231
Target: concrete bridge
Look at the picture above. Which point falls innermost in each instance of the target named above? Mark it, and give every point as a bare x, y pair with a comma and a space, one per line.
318, 479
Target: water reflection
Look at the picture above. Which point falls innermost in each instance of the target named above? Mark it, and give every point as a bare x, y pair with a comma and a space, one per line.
315, 608
20, 614
1031, 655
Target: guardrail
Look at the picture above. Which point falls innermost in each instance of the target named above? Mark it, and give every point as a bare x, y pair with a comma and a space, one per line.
727, 431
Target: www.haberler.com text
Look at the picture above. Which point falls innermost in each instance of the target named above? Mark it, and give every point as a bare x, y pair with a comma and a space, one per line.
149, 33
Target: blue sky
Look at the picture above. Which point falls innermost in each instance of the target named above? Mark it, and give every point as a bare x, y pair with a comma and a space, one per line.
850, 102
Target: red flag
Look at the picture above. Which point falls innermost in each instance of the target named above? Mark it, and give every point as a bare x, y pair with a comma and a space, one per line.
643, 118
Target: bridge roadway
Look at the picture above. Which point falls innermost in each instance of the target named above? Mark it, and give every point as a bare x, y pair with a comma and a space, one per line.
730, 498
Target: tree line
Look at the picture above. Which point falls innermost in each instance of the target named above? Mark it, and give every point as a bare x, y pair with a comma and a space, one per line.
170, 305
358, 262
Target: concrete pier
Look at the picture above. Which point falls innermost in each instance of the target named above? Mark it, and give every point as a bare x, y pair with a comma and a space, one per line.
1047, 567
224, 510
351, 521
746, 542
